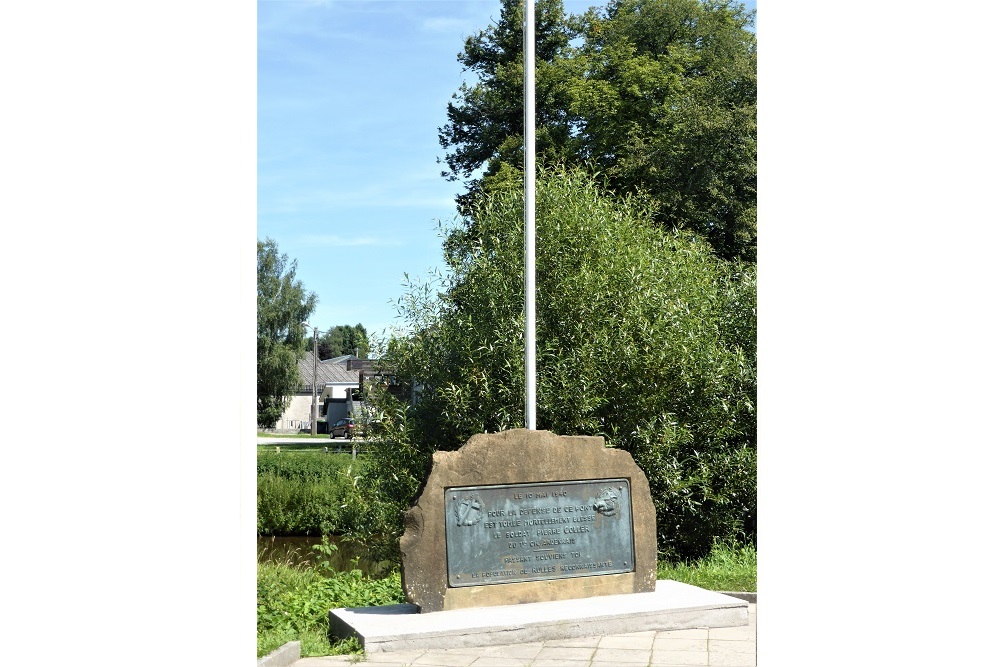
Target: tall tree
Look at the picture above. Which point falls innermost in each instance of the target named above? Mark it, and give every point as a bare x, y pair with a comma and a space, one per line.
360, 347
485, 125
344, 339
324, 349
283, 305
657, 96
669, 107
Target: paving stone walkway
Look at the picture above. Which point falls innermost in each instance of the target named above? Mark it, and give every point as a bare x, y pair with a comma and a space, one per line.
704, 647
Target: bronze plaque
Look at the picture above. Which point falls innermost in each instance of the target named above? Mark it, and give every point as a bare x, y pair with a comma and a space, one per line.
527, 532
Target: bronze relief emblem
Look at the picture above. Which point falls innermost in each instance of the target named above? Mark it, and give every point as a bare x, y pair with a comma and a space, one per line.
469, 510
607, 502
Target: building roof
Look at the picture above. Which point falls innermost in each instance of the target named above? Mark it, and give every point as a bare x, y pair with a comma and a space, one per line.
330, 370
338, 360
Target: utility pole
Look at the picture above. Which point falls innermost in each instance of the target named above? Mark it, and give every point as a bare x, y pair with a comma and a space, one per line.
315, 372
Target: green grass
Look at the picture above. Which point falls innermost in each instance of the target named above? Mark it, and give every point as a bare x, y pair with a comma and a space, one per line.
265, 434
726, 568
309, 446
304, 465
293, 603
302, 493
293, 600
296, 507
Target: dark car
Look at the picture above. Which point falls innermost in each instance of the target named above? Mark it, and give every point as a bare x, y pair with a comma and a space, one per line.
344, 428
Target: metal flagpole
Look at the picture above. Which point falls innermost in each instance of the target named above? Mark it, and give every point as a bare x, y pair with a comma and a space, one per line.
529, 213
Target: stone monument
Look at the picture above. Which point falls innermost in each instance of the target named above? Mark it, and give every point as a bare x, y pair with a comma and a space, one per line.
528, 516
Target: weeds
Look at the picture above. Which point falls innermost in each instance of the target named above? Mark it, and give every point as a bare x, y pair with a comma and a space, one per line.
728, 567
302, 493
293, 603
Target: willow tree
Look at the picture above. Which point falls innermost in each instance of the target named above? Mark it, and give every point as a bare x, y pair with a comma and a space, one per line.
645, 336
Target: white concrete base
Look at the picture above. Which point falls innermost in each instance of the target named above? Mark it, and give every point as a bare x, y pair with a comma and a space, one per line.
673, 606
283, 656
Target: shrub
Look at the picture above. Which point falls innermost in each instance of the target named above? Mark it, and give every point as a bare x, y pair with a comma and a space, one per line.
302, 493
293, 604
644, 337
303, 466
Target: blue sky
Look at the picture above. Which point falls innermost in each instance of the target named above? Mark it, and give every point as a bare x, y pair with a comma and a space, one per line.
350, 94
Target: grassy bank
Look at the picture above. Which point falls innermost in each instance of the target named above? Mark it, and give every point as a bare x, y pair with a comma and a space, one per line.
302, 492
306, 446
726, 568
293, 602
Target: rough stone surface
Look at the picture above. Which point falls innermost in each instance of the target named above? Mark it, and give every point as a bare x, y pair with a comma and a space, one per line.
516, 457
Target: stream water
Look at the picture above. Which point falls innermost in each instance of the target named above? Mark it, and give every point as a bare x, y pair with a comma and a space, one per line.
298, 550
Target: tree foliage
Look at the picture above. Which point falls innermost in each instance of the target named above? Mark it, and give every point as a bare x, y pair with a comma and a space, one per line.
657, 96
486, 121
644, 336
283, 305
344, 339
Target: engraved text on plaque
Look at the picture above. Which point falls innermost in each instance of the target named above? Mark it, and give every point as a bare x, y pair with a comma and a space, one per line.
527, 532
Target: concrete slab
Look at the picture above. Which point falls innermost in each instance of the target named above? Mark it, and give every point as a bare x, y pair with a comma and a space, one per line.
283, 656
672, 606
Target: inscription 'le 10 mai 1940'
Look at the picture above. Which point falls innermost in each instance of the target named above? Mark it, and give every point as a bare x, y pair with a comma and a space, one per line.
527, 532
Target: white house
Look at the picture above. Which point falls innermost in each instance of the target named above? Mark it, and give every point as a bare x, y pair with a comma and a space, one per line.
334, 383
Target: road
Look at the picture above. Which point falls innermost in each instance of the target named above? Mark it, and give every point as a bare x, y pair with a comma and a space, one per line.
335, 444
288, 440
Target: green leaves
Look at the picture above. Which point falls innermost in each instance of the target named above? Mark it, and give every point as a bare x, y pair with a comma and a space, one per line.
344, 339
302, 493
657, 96
282, 305
294, 604
644, 336
486, 120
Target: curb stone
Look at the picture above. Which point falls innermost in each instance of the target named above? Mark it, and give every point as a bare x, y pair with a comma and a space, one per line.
283, 656
749, 597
